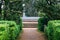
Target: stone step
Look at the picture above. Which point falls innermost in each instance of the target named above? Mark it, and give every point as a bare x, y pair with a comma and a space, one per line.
30, 24
30, 19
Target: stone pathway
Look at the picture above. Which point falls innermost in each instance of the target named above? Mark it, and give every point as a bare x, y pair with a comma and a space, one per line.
31, 34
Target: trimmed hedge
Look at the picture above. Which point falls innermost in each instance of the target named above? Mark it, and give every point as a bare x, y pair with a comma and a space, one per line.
53, 30
14, 29
4, 32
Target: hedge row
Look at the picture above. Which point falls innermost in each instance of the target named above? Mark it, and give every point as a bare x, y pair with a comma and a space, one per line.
9, 30
4, 32
53, 30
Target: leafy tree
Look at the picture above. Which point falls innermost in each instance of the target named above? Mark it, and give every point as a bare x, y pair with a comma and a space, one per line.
49, 7
12, 10
30, 9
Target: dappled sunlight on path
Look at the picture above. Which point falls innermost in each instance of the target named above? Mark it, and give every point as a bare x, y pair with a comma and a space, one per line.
31, 34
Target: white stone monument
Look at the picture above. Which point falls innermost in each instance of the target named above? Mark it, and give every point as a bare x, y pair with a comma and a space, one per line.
23, 10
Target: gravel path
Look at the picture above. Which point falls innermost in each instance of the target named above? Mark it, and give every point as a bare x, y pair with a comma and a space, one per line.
32, 34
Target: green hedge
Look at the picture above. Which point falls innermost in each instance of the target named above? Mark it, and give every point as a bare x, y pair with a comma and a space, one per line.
14, 29
4, 32
20, 24
41, 22
53, 30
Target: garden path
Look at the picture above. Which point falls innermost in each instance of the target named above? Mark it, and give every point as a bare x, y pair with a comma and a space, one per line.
31, 34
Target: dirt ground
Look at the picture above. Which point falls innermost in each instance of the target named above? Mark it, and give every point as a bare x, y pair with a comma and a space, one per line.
31, 34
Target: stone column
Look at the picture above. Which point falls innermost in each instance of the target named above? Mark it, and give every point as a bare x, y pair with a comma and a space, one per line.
24, 8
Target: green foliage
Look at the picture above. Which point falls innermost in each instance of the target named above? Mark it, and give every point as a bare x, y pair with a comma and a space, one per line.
41, 14
30, 10
40, 25
13, 29
17, 6
20, 24
41, 22
4, 32
49, 7
11, 13
53, 30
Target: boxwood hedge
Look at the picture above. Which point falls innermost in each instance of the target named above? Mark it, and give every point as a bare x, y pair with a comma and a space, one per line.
12, 30
53, 30
4, 32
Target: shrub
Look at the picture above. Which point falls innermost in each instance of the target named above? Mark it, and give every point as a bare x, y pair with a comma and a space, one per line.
4, 32
46, 31
53, 30
56, 35
41, 22
20, 24
14, 29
